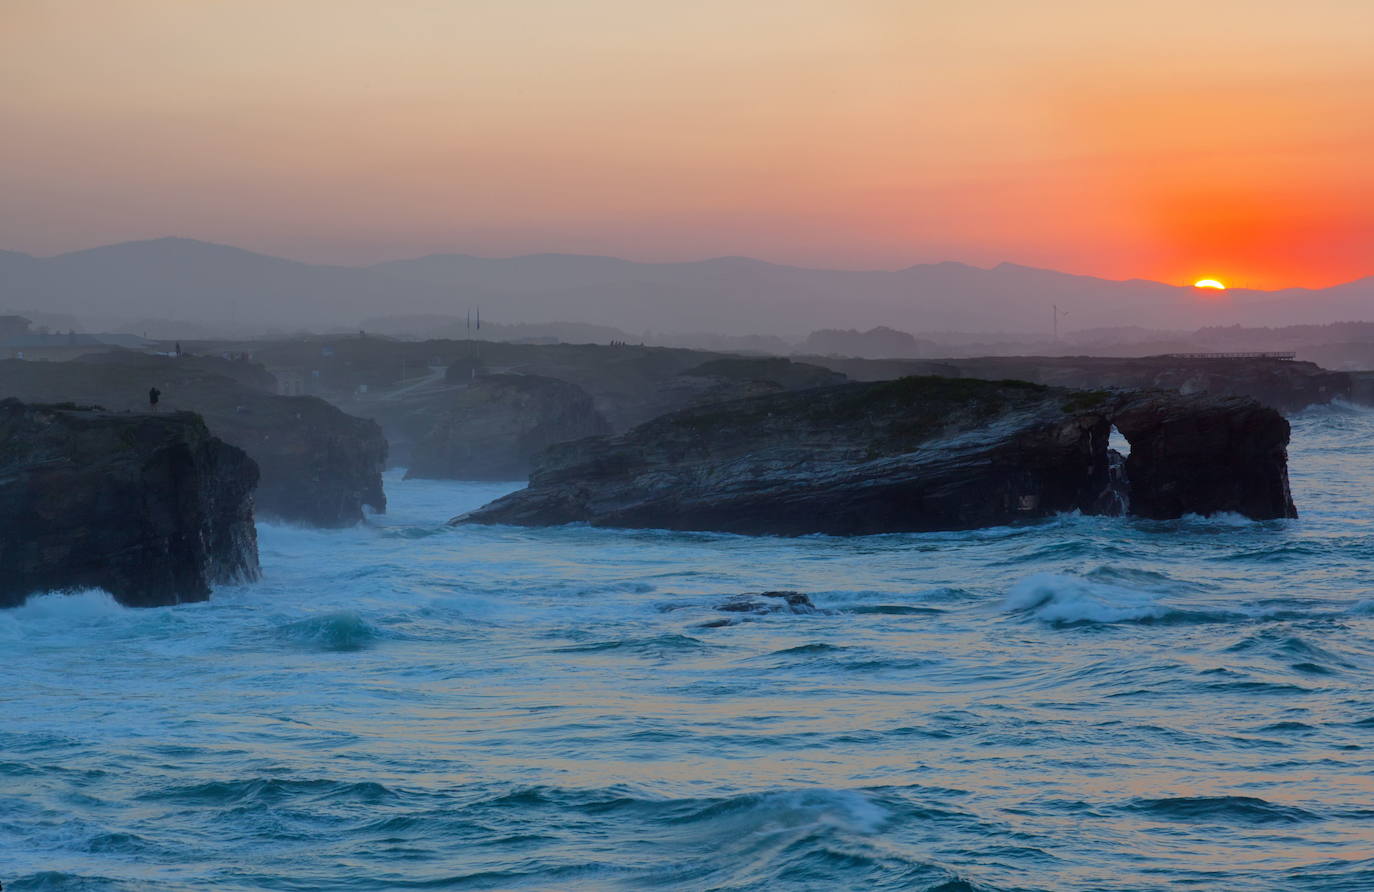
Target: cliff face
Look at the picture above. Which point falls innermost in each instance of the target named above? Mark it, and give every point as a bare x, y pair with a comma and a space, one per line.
491, 429
151, 508
320, 466
910, 455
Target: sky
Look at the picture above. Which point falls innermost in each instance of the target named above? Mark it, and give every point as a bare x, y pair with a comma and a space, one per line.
1166, 140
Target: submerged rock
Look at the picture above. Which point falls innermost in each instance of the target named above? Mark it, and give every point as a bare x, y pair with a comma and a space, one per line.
492, 429
909, 455
151, 508
777, 602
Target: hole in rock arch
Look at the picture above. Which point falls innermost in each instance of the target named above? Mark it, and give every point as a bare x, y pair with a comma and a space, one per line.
1117, 440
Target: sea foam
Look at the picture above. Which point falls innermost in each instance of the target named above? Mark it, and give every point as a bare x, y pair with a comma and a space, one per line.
1060, 599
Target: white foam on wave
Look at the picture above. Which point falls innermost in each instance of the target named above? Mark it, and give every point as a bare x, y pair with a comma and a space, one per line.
1219, 519
1337, 405
60, 610
847, 810
1055, 598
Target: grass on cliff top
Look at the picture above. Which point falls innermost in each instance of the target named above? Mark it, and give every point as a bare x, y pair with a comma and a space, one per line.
1085, 399
910, 408
959, 390
68, 406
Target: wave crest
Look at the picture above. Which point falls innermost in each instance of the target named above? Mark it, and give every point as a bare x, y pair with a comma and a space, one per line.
340, 632
1070, 600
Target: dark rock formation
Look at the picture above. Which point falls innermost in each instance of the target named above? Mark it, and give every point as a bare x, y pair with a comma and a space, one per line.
768, 602
908, 455
319, 465
1362, 388
491, 429
150, 508
1203, 455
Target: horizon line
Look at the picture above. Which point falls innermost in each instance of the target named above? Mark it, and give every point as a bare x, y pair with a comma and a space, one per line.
703, 260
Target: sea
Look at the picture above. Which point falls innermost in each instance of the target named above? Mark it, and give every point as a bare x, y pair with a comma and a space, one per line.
1087, 703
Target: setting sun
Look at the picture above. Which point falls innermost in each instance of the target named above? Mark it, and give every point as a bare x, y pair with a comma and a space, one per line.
1209, 283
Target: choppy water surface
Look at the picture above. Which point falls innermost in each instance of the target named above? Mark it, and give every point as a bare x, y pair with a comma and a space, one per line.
1089, 704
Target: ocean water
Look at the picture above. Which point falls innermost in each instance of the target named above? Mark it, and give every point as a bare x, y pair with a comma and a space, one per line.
1085, 704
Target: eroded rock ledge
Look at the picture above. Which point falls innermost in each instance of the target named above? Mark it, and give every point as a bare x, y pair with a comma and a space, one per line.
150, 508
915, 454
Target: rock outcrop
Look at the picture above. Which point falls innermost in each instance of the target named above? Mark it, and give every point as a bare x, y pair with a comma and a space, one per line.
768, 602
1362, 388
910, 455
492, 428
319, 465
151, 508
1204, 455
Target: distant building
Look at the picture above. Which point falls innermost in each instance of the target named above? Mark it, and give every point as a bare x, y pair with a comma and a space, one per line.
290, 383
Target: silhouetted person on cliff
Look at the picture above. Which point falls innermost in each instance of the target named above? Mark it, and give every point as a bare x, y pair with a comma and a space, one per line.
153, 394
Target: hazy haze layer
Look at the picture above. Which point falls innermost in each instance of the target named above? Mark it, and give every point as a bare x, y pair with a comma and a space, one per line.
181, 287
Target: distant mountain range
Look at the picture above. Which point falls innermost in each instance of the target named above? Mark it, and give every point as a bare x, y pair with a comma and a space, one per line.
175, 282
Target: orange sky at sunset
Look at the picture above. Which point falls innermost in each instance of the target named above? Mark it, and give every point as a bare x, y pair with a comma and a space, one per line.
1168, 140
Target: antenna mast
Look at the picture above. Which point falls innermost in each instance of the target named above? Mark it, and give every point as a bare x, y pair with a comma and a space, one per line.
1057, 316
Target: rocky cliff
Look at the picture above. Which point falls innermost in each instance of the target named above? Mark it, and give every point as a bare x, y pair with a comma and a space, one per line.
492, 428
910, 455
1204, 455
151, 508
319, 465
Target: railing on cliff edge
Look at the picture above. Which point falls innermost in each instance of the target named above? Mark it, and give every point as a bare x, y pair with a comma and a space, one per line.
1259, 354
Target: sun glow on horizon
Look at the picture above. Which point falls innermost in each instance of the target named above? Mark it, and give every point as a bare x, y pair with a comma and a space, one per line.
1209, 283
